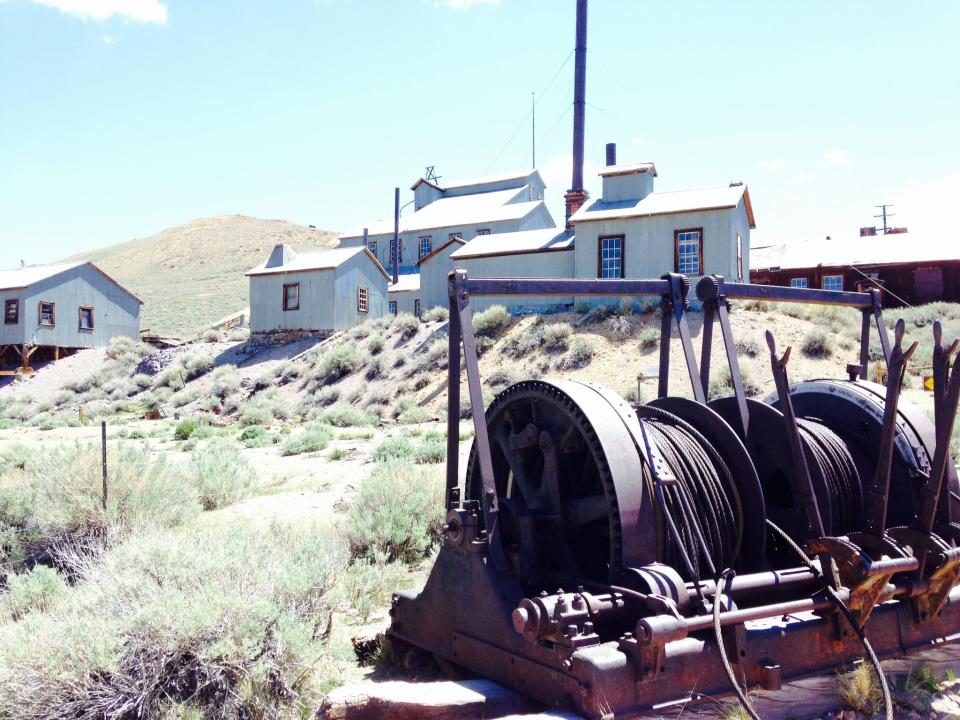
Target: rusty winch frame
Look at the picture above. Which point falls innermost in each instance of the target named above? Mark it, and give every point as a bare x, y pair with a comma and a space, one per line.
611, 557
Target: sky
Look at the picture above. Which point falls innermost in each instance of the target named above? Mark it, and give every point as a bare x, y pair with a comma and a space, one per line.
119, 118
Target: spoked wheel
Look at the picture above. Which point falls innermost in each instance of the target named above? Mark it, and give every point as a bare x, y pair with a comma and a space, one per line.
569, 482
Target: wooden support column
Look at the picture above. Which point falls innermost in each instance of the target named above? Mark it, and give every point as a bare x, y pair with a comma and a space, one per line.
56, 352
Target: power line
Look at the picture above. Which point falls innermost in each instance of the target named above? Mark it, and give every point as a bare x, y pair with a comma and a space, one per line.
529, 112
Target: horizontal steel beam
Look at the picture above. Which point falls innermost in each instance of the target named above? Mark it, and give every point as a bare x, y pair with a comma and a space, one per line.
561, 286
743, 291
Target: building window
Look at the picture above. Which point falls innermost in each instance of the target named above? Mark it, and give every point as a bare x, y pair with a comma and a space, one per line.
610, 263
363, 299
11, 312
392, 307
798, 282
739, 256
291, 296
426, 244
833, 282
48, 313
86, 318
688, 251
372, 247
416, 307
393, 252
483, 231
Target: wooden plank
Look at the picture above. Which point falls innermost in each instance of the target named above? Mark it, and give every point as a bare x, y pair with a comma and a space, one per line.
444, 700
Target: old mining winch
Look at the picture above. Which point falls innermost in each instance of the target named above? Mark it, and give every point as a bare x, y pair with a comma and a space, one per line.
611, 557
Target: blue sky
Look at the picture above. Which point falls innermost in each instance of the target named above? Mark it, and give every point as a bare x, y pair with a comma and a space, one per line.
119, 118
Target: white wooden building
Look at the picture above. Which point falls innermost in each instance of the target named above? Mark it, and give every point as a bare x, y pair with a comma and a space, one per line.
403, 296
48, 309
294, 296
457, 210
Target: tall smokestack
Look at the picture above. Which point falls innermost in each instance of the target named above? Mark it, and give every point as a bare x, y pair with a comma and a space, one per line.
611, 154
576, 196
396, 234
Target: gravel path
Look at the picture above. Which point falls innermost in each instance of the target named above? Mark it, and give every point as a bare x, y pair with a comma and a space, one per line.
52, 376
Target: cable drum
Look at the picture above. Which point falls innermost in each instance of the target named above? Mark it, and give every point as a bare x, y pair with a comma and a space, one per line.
703, 504
833, 469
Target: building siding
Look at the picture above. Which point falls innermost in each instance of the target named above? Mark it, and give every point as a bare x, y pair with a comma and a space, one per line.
433, 278
553, 264
116, 313
12, 334
359, 270
406, 301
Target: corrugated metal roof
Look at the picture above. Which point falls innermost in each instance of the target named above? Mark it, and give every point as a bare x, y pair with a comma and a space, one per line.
628, 169
491, 179
24, 277
870, 250
321, 260
458, 211
406, 283
664, 203
525, 241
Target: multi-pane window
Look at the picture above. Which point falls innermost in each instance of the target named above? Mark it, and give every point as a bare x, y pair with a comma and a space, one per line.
291, 296
798, 282
392, 307
689, 246
48, 313
426, 245
416, 307
833, 282
11, 312
363, 299
739, 256
86, 318
483, 231
372, 247
611, 257
394, 255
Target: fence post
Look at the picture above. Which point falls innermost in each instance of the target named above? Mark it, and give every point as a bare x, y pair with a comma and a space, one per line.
103, 447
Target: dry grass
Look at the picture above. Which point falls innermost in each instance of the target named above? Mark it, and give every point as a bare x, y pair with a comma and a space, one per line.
859, 689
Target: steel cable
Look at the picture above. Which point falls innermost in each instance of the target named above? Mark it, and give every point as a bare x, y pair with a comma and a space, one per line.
703, 507
829, 459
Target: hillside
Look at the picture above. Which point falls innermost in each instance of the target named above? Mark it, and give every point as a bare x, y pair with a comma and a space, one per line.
192, 275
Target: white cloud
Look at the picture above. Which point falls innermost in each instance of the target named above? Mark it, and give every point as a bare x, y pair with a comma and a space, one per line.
108, 39
461, 4
837, 158
144, 11
771, 165
927, 207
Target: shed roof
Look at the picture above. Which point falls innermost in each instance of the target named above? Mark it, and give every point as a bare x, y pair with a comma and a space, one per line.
320, 260
475, 209
31, 275
516, 243
519, 177
666, 203
441, 248
871, 250
628, 169
405, 283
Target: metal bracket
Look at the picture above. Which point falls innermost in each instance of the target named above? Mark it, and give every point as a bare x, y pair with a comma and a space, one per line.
674, 307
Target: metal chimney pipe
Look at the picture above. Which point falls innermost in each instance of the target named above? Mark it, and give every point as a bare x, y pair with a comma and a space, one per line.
396, 235
579, 95
611, 154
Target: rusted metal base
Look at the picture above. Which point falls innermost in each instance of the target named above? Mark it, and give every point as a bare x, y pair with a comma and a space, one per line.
463, 615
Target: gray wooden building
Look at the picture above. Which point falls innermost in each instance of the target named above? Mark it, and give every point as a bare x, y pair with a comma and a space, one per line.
295, 296
51, 309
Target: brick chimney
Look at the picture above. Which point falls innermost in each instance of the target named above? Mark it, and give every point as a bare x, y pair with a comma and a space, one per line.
575, 200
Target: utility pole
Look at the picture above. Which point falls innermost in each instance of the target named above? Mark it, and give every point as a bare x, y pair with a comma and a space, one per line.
884, 214
396, 235
533, 128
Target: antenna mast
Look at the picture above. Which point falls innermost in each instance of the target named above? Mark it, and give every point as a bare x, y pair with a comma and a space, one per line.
884, 214
533, 128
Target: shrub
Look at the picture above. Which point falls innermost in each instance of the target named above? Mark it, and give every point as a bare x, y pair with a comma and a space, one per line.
184, 429
400, 360
370, 583
859, 690
195, 364
749, 346
374, 368
649, 338
431, 451
261, 409
521, 344
360, 332
36, 589
398, 511
235, 612
394, 448
817, 343
221, 475
501, 377
286, 371
581, 353
492, 322
378, 396
355, 435
225, 381
337, 363
254, 436
184, 396
213, 335
328, 395
307, 441
420, 380
406, 325
619, 326
556, 336
342, 415
375, 345
339, 453
414, 415
436, 314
